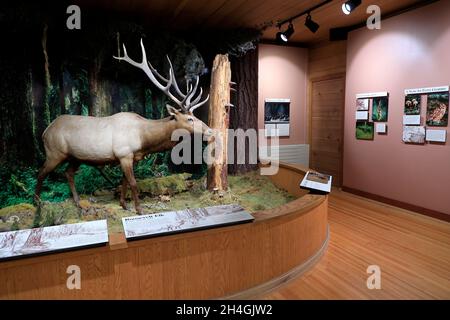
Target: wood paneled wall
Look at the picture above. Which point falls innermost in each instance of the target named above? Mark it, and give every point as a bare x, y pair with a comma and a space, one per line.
327, 63
327, 59
327, 127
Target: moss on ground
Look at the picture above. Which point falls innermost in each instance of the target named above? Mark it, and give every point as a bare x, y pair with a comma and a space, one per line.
252, 191
168, 185
19, 216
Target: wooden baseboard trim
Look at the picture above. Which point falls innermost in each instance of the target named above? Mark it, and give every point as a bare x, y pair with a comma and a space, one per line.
399, 204
277, 282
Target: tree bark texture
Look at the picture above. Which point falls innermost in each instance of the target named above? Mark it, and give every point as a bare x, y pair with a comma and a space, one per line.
218, 120
244, 115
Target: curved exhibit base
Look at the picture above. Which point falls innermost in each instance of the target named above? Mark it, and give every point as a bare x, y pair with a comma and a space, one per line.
240, 261
275, 283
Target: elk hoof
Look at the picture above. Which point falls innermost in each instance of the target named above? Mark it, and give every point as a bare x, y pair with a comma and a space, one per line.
139, 210
124, 205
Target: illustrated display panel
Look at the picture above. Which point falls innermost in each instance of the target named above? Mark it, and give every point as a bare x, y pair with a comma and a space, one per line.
184, 220
52, 239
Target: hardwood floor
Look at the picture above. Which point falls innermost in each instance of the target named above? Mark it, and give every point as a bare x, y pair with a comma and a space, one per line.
412, 251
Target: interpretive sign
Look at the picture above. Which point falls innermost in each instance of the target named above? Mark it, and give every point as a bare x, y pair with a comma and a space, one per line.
164, 223
50, 239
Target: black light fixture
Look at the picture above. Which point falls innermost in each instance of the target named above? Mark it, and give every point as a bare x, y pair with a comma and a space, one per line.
283, 36
311, 25
350, 5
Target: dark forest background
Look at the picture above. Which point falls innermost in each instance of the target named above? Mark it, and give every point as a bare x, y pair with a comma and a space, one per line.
47, 70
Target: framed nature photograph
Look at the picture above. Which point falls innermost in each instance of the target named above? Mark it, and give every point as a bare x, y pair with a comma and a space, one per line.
412, 104
437, 109
276, 117
364, 130
362, 104
414, 134
380, 109
276, 111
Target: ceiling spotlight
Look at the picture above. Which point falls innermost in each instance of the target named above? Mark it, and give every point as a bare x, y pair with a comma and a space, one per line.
311, 25
350, 5
285, 35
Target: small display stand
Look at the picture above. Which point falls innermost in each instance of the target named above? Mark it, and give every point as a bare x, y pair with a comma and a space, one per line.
317, 181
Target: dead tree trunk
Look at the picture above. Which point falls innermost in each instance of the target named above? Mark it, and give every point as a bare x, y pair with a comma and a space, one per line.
218, 120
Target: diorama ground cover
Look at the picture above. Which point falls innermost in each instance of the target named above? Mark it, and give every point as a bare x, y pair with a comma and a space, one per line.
176, 192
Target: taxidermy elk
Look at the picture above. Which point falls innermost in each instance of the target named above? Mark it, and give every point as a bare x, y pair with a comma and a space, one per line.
123, 138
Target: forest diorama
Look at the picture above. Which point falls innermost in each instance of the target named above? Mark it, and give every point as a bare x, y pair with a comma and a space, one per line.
48, 71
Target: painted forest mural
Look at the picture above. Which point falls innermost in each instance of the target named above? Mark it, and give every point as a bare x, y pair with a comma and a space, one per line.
48, 70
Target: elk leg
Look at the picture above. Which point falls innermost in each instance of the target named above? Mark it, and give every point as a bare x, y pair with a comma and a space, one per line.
123, 193
70, 174
127, 168
49, 166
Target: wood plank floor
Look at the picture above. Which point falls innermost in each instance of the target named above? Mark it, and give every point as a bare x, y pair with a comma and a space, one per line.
412, 251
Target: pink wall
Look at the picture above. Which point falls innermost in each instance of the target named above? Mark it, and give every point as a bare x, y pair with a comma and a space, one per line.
283, 74
410, 51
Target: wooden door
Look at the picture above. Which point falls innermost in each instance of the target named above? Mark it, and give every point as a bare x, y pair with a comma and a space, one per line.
327, 126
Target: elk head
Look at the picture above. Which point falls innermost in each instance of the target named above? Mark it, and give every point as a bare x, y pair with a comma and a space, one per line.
186, 102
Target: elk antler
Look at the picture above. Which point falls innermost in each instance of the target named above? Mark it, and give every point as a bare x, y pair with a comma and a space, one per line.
185, 103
